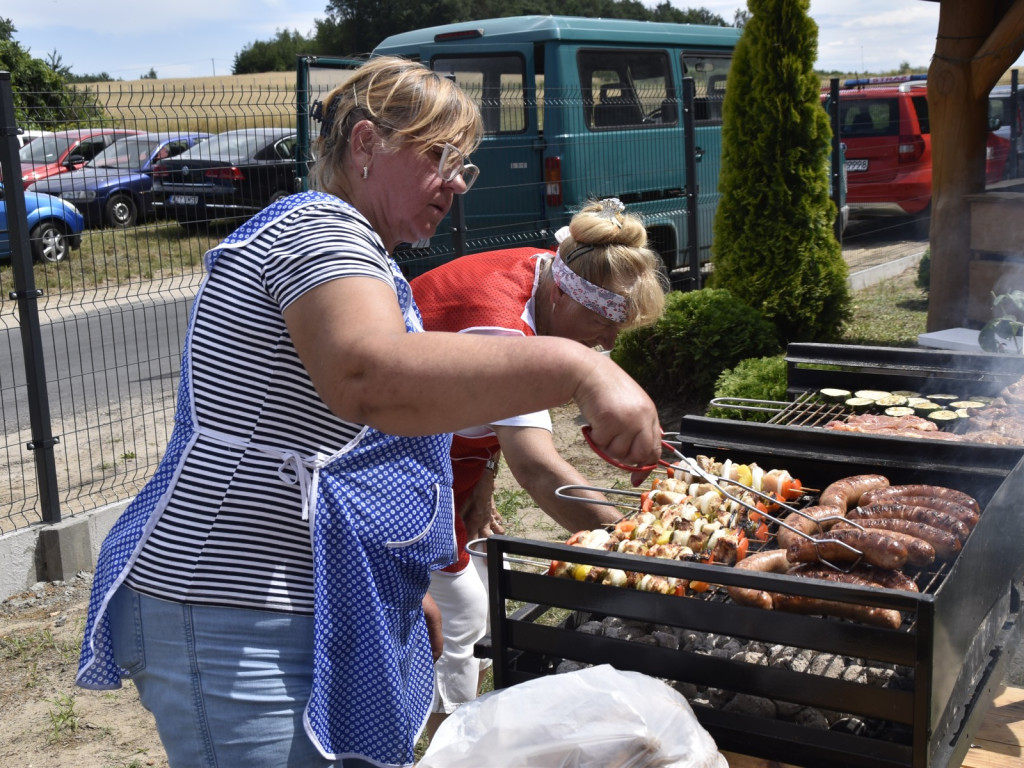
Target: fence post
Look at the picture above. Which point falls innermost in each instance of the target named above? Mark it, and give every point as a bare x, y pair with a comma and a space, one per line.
838, 193
1014, 127
303, 139
458, 216
26, 294
692, 189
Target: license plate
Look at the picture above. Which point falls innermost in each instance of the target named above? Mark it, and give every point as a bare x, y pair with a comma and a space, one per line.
856, 165
184, 200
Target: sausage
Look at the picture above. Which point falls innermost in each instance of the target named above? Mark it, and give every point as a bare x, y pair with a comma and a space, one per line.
848, 545
871, 576
810, 521
915, 514
866, 614
961, 512
765, 561
933, 490
920, 553
845, 493
946, 545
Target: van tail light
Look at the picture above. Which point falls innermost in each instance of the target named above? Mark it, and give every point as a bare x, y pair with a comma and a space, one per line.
911, 148
228, 174
553, 181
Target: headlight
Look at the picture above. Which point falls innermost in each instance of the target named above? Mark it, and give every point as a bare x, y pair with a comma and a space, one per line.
79, 195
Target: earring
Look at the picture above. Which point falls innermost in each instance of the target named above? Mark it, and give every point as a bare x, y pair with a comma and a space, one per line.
366, 172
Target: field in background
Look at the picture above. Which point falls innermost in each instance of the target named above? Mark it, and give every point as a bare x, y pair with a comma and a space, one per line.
210, 104
215, 104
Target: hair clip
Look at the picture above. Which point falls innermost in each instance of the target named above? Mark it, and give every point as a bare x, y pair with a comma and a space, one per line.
324, 116
611, 209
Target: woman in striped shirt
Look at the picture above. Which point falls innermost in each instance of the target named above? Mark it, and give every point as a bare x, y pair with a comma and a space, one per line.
266, 591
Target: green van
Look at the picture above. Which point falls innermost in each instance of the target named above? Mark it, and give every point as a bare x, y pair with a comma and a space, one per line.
577, 108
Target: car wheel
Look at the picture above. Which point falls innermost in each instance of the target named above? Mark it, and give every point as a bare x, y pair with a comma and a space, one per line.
121, 211
49, 241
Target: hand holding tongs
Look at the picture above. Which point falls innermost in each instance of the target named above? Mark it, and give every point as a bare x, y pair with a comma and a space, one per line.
694, 468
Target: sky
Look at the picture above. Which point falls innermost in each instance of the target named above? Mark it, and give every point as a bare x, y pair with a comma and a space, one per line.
199, 38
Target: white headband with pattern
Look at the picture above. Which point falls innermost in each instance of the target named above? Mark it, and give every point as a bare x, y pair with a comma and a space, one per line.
607, 304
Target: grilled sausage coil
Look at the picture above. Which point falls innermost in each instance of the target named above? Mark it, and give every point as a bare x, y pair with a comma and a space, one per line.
915, 514
845, 493
951, 507
811, 521
866, 614
946, 545
765, 561
920, 553
849, 545
865, 575
928, 490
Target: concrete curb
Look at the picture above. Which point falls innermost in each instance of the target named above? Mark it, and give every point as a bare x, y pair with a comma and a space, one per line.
54, 552
876, 274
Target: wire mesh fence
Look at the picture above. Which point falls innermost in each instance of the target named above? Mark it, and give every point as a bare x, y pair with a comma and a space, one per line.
114, 297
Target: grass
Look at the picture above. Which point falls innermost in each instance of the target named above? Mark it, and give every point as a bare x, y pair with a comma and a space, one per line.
64, 720
890, 314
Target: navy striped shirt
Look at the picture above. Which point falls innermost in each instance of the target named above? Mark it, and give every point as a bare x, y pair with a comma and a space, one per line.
232, 533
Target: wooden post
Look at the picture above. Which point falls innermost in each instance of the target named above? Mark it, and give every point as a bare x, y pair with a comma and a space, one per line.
977, 41
958, 127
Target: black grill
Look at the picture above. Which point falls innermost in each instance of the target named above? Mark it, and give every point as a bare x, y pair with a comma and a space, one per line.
945, 662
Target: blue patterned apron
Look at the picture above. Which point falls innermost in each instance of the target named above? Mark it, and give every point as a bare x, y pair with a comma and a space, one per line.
381, 518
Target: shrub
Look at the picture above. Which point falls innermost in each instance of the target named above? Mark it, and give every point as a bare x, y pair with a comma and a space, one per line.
774, 244
756, 378
700, 334
924, 270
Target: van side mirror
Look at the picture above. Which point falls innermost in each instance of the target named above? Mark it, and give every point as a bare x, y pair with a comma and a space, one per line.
994, 123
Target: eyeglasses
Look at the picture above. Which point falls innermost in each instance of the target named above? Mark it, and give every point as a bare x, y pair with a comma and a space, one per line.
453, 163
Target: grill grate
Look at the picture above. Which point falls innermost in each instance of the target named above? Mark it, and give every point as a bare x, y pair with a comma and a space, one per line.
806, 410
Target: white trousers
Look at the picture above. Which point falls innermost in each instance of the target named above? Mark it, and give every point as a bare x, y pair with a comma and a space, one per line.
462, 599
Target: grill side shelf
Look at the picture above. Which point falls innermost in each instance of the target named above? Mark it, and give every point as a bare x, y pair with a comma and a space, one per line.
865, 453
813, 366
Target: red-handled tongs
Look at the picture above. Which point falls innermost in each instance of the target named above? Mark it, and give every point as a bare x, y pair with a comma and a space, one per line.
683, 463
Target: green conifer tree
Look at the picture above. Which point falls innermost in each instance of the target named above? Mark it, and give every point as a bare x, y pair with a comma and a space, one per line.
774, 245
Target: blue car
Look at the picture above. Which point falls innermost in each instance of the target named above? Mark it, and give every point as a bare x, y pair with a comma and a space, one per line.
54, 227
114, 188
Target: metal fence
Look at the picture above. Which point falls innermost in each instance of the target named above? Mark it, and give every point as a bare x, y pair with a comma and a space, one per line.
91, 344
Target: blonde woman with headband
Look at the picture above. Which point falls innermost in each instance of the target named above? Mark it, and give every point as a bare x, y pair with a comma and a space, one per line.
602, 280
266, 590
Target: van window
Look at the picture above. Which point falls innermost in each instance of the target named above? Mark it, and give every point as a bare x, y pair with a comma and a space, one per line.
495, 83
921, 108
626, 89
709, 75
870, 117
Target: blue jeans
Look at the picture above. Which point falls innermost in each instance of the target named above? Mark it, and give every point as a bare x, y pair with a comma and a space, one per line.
227, 686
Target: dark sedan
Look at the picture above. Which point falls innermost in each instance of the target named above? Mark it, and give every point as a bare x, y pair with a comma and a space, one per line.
115, 187
230, 175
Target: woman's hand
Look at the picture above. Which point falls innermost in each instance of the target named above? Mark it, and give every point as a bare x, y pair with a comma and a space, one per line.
623, 419
433, 616
479, 514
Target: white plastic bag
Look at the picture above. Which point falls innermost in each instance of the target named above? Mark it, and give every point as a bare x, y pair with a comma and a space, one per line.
598, 717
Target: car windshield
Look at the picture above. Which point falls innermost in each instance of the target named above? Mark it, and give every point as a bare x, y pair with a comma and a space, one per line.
127, 154
44, 150
232, 146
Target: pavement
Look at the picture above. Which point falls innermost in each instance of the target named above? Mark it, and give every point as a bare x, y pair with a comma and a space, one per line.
877, 247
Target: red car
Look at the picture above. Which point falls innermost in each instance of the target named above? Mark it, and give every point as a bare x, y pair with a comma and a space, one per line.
889, 146
65, 151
